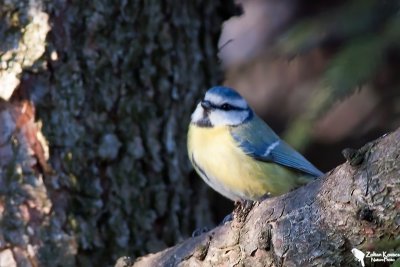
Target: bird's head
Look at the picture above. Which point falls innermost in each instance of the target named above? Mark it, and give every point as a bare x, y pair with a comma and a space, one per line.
221, 106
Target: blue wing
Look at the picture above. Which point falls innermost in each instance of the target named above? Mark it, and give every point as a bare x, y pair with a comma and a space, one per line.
259, 141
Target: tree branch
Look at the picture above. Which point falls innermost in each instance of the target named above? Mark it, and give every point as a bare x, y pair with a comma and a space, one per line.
353, 205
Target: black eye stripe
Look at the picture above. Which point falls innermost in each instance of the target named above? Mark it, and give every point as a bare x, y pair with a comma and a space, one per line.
231, 107
226, 106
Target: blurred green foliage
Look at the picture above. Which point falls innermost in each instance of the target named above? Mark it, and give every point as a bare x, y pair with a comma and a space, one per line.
359, 37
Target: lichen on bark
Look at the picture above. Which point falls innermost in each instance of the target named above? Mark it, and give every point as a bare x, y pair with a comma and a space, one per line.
23, 35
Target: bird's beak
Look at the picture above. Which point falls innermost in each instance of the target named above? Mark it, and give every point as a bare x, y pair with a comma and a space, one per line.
206, 105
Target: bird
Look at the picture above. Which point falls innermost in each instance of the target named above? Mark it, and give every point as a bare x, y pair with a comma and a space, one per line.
237, 154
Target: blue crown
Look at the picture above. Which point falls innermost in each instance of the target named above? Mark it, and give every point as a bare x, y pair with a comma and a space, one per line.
225, 92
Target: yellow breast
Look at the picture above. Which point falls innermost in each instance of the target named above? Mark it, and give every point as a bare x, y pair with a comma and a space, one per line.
224, 166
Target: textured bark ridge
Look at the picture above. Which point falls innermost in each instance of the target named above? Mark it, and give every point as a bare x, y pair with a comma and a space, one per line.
95, 100
356, 205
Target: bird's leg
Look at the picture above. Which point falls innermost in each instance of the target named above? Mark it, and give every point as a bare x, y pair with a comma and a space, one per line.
264, 197
242, 209
200, 231
227, 218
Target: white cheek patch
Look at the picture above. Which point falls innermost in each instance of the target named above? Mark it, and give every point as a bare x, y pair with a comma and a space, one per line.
232, 118
197, 115
217, 117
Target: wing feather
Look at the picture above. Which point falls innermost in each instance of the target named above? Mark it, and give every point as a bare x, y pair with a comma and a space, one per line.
259, 141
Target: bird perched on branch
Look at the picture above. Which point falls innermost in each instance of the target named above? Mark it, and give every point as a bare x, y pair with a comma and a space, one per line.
238, 154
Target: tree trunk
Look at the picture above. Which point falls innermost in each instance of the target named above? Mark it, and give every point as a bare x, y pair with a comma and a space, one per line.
356, 205
113, 87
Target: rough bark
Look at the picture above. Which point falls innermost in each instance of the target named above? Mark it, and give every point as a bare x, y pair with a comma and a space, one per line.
111, 89
356, 205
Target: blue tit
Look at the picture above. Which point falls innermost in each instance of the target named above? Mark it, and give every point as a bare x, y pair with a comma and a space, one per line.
238, 154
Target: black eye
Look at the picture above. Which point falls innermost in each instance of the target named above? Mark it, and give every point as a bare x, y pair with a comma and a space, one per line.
226, 107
